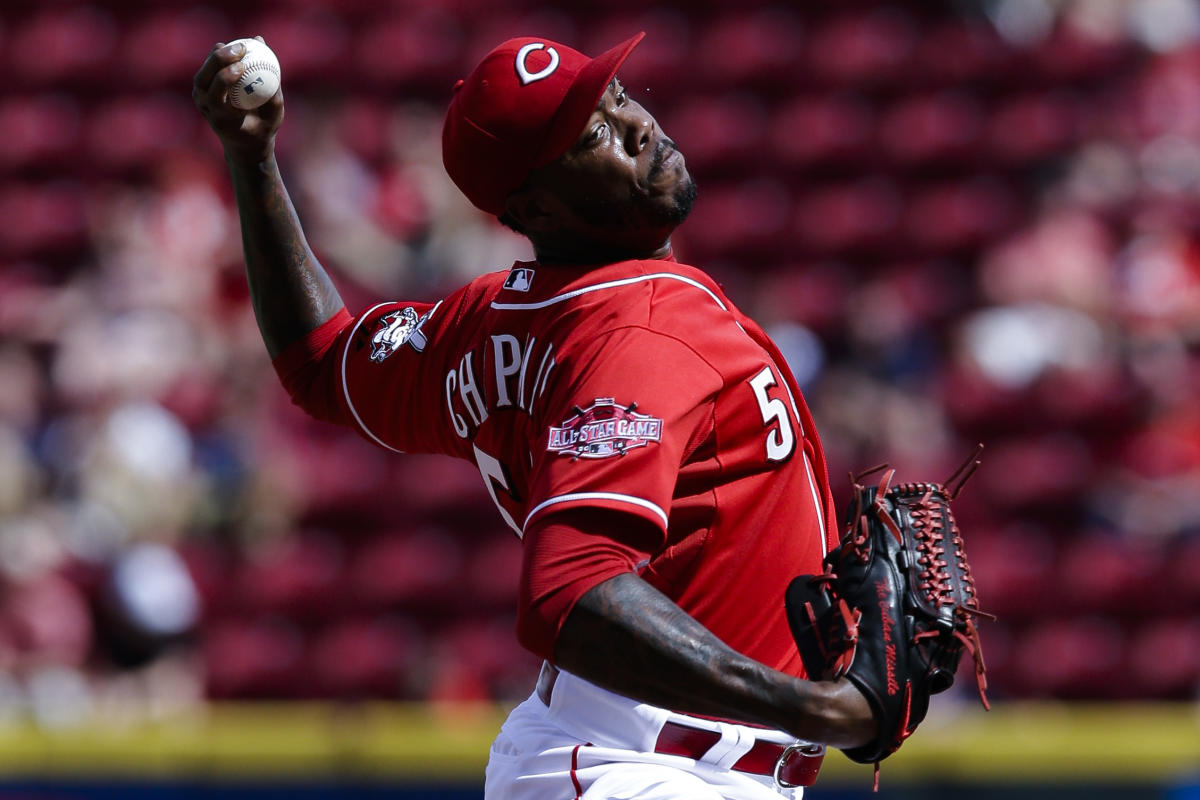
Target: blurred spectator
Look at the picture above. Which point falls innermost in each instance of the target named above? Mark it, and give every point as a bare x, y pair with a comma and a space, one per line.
961, 222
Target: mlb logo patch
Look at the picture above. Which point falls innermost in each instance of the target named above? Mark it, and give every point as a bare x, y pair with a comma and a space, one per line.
519, 280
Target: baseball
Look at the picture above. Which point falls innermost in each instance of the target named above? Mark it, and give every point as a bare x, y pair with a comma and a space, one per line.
260, 76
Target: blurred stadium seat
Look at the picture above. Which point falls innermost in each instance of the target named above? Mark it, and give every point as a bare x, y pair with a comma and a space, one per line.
884, 175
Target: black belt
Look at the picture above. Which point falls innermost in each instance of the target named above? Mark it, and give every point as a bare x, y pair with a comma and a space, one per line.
790, 765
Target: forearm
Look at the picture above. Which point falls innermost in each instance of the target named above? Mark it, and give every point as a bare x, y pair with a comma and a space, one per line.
626, 636
290, 290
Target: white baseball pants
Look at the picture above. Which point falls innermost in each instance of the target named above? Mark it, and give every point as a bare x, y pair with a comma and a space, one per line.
591, 744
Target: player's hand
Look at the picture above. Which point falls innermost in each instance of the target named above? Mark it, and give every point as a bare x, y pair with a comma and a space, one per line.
849, 715
246, 135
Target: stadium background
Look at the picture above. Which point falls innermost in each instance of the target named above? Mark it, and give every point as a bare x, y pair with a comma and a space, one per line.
964, 221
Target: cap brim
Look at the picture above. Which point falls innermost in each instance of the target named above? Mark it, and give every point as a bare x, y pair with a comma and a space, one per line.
583, 96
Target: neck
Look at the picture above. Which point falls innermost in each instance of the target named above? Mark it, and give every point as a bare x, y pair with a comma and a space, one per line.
576, 251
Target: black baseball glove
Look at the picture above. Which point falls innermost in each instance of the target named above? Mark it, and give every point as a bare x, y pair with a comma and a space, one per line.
895, 608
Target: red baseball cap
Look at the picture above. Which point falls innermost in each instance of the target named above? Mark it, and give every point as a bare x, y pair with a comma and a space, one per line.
522, 107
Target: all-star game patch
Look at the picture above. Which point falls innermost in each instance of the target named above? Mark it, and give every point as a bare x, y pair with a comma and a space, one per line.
603, 429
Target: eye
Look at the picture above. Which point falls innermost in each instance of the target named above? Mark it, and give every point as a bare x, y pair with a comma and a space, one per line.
596, 135
622, 97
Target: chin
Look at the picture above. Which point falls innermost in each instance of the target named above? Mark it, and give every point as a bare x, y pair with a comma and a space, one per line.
681, 200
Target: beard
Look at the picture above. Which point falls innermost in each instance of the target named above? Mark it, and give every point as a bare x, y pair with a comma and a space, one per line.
641, 211
682, 200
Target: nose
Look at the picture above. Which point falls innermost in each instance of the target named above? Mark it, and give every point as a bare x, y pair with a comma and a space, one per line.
639, 131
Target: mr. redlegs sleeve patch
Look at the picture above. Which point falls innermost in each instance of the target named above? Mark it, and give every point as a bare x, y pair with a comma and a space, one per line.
603, 429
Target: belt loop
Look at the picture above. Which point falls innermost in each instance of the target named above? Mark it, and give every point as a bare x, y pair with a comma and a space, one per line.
545, 682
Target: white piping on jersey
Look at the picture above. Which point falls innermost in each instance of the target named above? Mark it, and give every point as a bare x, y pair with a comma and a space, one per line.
346, 387
812, 481
608, 285
812, 485
620, 498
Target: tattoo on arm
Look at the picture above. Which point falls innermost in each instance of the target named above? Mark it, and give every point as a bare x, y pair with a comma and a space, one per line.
628, 637
290, 290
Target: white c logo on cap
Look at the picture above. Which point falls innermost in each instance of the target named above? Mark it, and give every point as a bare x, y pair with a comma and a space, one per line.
528, 77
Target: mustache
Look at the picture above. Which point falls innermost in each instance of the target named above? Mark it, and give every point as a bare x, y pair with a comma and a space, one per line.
664, 147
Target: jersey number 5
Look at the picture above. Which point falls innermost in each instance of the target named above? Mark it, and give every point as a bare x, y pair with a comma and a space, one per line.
495, 475
781, 439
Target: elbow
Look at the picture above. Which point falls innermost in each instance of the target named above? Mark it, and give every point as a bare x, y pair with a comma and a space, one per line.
305, 389
307, 369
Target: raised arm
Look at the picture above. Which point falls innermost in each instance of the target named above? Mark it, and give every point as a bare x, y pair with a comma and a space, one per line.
290, 290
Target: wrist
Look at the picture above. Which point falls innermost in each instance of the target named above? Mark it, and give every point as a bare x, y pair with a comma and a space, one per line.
242, 158
834, 713
848, 715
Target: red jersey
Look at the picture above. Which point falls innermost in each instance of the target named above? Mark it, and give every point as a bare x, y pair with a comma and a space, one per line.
635, 387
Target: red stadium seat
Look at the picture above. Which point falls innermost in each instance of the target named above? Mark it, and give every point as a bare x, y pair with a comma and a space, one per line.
71, 44
1110, 574
297, 577
312, 45
1071, 55
659, 63
417, 50
848, 216
977, 404
960, 214
134, 132
744, 218
496, 27
816, 130
724, 132
362, 658
1165, 658
429, 483
1099, 397
749, 47
813, 294
999, 645
939, 127
246, 660
406, 570
494, 571
1073, 659
42, 219
1034, 126
866, 49
962, 53
1014, 570
1051, 469
39, 130
1182, 567
481, 659
166, 47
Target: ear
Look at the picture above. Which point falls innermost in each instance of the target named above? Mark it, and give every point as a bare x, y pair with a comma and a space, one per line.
533, 209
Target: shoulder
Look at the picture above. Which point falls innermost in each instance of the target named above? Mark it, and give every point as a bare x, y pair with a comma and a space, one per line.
626, 291
678, 297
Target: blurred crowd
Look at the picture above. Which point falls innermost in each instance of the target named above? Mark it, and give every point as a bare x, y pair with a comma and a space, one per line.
964, 221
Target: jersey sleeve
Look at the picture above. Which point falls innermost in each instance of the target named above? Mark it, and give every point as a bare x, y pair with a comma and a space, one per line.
565, 554
618, 422
375, 372
614, 430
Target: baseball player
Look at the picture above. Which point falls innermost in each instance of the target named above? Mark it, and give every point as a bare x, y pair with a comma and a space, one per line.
640, 435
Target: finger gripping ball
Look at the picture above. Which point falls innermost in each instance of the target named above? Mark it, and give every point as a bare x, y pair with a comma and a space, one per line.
260, 76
